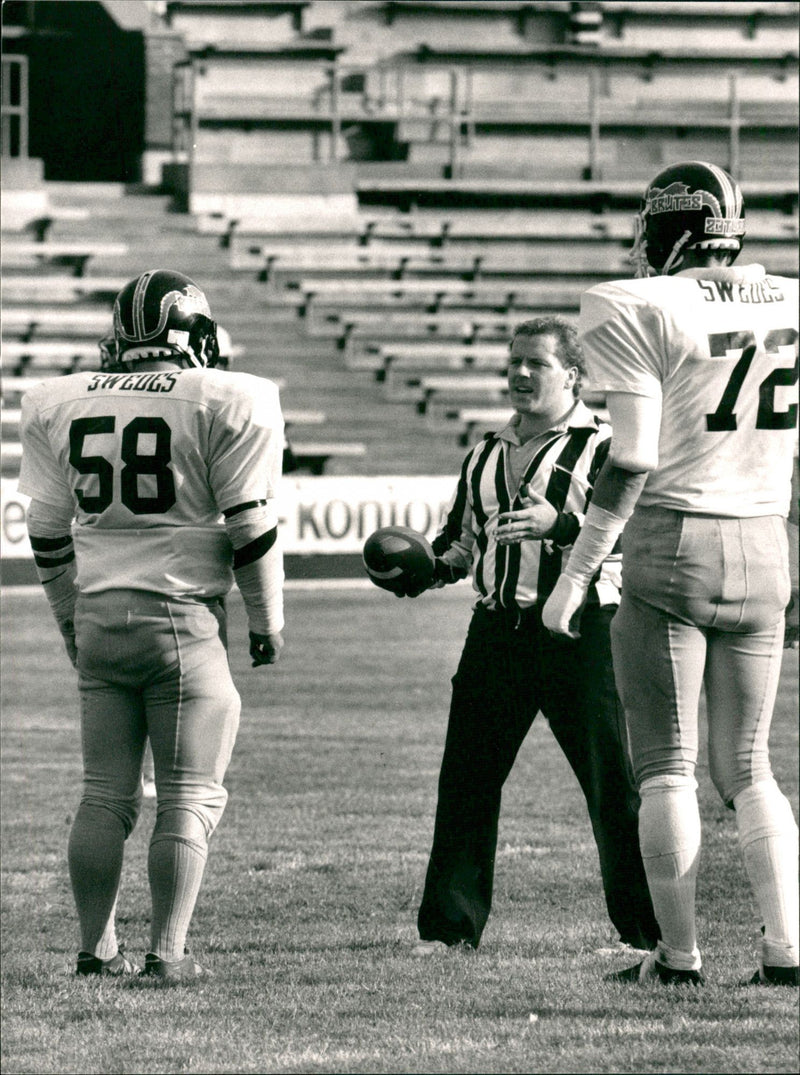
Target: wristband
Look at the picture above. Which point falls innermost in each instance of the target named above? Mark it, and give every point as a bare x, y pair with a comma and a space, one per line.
565, 531
446, 573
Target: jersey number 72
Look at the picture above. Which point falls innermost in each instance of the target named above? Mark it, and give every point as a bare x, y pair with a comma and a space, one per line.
723, 418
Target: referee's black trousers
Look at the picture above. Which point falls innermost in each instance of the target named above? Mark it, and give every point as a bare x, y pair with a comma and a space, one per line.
510, 669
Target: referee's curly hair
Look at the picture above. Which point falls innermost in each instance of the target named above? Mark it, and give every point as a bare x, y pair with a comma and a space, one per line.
569, 351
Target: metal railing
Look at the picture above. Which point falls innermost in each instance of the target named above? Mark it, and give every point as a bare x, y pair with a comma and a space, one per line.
386, 96
14, 112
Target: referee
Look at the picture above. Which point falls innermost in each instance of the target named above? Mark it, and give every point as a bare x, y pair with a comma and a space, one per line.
516, 511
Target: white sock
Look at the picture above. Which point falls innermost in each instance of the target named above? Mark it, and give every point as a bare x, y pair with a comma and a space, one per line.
175, 866
768, 839
669, 836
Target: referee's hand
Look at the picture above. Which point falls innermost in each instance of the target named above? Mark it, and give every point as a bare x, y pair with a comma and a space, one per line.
532, 522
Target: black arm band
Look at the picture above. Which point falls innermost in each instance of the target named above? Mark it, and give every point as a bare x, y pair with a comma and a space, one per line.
230, 512
43, 544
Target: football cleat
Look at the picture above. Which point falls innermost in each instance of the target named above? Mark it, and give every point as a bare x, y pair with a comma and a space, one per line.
115, 967
182, 970
424, 949
774, 976
688, 205
163, 314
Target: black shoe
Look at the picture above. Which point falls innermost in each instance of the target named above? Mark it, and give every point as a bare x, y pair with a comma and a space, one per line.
671, 976
115, 967
775, 976
650, 970
630, 974
183, 970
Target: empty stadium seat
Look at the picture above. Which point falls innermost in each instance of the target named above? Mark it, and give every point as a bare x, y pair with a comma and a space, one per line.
368, 181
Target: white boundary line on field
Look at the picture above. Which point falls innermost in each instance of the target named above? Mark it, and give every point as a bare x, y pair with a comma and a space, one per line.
290, 584
328, 584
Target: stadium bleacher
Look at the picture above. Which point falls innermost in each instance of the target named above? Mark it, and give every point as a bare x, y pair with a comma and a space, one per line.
372, 203
75, 256
34, 322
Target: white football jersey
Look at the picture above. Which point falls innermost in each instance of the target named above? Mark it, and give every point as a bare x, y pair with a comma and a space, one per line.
718, 346
148, 462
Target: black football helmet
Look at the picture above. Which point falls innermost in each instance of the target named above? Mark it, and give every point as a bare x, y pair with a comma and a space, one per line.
163, 314
688, 205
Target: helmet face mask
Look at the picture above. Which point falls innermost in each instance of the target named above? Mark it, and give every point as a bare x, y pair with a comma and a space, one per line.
109, 362
163, 314
692, 205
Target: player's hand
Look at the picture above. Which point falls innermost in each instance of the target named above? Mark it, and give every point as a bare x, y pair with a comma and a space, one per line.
562, 609
265, 649
532, 522
67, 629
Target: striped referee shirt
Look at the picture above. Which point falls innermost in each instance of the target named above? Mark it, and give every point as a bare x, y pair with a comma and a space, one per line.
561, 465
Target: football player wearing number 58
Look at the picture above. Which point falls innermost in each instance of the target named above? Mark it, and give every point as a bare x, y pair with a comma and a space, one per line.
699, 365
152, 487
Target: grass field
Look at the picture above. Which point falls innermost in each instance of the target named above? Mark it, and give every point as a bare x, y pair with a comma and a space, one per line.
316, 872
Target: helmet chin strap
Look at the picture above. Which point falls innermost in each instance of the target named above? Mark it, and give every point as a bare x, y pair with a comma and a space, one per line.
189, 361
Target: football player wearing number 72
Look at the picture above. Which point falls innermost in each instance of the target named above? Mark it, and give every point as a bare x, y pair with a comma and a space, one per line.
152, 486
699, 362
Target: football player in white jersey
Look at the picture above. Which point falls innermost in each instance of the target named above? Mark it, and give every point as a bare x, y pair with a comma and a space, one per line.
699, 362
152, 489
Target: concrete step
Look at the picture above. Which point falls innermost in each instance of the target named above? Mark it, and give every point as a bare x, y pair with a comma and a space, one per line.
275, 340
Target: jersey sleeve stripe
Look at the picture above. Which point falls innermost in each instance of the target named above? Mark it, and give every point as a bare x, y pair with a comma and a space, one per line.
557, 489
255, 549
43, 544
451, 530
230, 512
53, 561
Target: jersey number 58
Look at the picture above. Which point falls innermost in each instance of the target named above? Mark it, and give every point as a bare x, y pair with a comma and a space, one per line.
156, 463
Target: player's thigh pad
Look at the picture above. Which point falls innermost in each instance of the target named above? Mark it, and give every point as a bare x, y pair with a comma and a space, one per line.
193, 717
730, 574
173, 654
658, 667
742, 676
113, 734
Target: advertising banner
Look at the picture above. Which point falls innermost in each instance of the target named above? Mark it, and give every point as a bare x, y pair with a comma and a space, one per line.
317, 515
